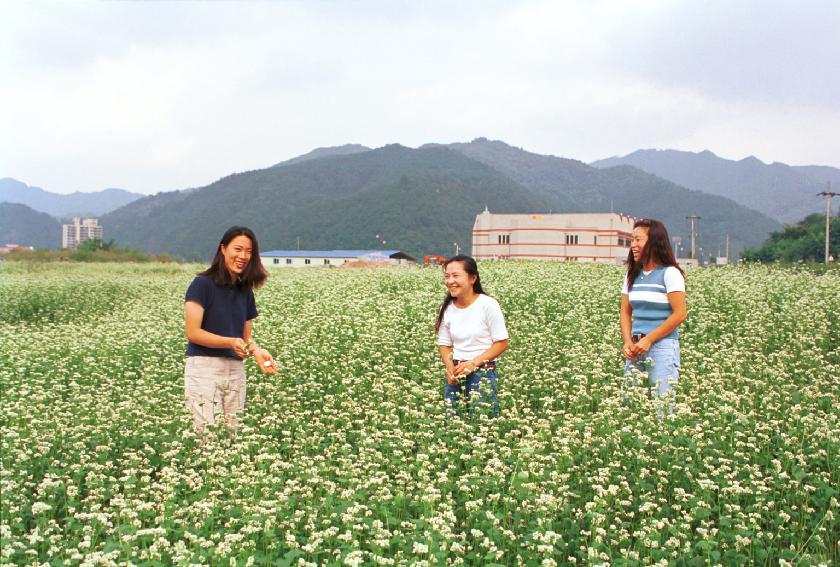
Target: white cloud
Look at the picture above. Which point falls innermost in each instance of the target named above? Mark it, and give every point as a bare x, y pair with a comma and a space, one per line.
159, 96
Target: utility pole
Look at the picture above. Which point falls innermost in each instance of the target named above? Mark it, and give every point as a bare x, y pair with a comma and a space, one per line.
693, 218
298, 243
728, 261
828, 195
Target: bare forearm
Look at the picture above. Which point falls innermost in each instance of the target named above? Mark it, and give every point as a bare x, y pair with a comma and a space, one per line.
626, 326
677, 316
208, 339
446, 356
247, 337
667, 327
491, 353
626, 318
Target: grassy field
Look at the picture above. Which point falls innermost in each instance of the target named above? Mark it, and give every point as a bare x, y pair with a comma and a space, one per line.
348, 455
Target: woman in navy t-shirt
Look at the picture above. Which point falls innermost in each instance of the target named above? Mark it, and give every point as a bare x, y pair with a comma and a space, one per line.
219, 310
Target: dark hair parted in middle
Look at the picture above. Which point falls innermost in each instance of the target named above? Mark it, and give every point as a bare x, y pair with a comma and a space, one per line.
472, 269
254, 274
657, 249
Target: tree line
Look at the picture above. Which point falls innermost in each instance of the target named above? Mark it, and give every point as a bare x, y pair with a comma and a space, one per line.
800, 242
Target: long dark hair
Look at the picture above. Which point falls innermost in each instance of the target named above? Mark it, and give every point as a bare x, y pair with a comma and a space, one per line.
254, 274
657, 249
472, 269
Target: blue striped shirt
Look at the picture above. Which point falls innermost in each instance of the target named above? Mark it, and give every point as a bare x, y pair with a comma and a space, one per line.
649, 298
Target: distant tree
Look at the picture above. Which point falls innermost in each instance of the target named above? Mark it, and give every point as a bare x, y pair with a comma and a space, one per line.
91, 245
95, 244
801, 242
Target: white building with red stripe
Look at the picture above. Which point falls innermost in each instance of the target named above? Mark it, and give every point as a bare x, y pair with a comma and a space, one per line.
563, 237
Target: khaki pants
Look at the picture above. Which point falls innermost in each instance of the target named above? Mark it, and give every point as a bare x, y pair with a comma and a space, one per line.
214, 385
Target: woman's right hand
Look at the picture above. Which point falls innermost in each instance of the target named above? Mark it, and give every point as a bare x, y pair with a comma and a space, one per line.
627, 351
451, 379
239, 347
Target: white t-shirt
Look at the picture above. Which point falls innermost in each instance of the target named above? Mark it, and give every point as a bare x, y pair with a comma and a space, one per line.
674, 280
473, 330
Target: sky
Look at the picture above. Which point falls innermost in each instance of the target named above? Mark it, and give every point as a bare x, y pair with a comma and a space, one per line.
158, 96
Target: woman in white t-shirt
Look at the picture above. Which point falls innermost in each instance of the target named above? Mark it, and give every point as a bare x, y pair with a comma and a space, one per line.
652, 307
471, 333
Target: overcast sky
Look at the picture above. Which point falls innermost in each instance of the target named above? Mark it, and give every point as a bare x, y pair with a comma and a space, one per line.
155, 96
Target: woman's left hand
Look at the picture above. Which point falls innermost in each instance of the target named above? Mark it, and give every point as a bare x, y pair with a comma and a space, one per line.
265, 361
641, 348
465, 368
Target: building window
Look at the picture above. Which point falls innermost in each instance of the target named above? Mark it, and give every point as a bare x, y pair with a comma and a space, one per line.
326, 261
307, 261
595, 240
277, 260
571, 239
288, 260
504, 239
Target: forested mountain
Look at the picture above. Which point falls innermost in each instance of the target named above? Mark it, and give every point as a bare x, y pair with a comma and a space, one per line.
785, 193
22, 225
317, 153
64, 206
420, 201
573, 186
800, 242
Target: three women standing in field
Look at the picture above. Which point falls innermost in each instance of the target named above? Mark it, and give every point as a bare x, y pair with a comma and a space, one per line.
652, 307
219, 310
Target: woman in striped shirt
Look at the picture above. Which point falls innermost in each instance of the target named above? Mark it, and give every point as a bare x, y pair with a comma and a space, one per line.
652, 306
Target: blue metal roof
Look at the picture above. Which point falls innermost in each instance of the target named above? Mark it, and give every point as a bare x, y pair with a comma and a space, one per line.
329, 253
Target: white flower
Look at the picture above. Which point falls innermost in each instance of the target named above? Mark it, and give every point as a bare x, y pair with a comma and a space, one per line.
420, 548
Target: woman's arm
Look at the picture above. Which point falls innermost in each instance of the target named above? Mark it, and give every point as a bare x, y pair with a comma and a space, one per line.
470, 366
677, 301
626, 319
193, 315
446, 357
264, 359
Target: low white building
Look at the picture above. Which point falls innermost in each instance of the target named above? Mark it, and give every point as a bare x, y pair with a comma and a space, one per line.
569, 237
12, 247
313, 258
80, 230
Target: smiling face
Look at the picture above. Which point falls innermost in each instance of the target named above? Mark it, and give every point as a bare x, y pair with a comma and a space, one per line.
458, 281
237, 255
637, 244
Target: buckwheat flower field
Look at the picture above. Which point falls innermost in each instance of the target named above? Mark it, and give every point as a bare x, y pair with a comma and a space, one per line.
348, 455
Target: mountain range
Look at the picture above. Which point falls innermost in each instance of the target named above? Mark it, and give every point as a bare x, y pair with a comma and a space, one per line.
783, 192
419, 200
76, 204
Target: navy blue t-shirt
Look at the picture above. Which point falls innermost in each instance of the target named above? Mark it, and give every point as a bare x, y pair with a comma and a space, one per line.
226, 309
